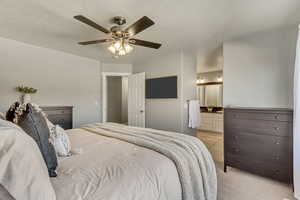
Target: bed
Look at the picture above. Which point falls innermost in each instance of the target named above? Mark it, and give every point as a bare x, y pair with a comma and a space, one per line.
117, 162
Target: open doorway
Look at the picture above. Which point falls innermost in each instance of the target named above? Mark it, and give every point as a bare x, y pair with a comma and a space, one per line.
123, 98
210, 95
115, 97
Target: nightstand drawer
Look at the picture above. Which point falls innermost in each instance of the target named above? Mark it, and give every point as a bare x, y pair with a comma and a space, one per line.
58, 112
62, 116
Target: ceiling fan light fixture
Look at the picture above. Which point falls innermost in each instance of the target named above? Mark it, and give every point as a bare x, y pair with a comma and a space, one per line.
112, 49
120, 39
128, 48
117, 44
120, 48
122, 52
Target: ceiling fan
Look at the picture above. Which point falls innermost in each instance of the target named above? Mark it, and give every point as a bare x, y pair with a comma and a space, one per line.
121, 40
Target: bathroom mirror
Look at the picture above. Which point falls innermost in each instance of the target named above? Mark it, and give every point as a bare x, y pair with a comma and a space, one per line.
210, 95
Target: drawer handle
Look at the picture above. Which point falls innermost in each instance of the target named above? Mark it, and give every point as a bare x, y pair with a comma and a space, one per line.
236, 150
277, 142
276, 128
276, 117
277, 171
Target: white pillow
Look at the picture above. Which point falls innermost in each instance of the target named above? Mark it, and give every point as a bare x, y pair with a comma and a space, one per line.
23, 172
60, 140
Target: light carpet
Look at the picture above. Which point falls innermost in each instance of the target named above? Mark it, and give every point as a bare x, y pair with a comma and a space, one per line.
241, 185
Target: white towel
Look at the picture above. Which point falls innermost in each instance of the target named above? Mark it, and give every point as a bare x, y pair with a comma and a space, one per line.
194, 114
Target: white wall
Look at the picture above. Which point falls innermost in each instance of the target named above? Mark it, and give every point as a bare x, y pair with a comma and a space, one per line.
164, 114
170, 114
258, 69
210, 60
61, 79
189, 88
112, 67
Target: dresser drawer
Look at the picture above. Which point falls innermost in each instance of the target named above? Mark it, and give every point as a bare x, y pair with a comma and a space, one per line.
58, 112
64, 121
65, 118
276, 128
65, 125
260, 115
263, 168
62, 116
260, 147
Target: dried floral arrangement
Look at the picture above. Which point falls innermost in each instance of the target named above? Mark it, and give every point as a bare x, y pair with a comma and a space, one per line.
15, 111
26, 90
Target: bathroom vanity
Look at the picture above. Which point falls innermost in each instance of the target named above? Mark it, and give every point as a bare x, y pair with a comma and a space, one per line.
212, 121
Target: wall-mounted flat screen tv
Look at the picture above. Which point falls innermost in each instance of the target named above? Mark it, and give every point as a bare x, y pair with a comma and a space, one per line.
161, 88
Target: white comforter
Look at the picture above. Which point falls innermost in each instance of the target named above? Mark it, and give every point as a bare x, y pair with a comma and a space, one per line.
117, 162
111, 169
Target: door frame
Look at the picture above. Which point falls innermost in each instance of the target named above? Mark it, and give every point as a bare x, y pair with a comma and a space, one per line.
104, 90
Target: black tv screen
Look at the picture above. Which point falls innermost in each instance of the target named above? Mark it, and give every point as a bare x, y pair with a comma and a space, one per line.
159, 88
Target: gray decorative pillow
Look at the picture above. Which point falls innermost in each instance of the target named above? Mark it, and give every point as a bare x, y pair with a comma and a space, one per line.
35, 125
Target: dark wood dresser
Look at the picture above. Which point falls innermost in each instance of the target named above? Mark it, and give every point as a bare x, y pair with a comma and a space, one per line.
60, 115
259, 141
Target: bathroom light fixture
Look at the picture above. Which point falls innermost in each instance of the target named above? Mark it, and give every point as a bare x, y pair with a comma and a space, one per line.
199, 81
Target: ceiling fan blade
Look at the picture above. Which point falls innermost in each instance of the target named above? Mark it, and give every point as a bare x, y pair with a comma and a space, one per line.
93, 42
145, 43
139, 26
91, 23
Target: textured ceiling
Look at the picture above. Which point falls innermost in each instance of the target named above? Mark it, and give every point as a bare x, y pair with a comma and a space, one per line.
191, 25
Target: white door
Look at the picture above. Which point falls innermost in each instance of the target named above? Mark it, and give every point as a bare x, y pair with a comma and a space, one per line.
136, 100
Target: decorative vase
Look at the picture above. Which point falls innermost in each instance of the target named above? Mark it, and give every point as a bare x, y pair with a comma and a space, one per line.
26, 98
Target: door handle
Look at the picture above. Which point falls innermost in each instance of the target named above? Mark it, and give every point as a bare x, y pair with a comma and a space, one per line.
141, 111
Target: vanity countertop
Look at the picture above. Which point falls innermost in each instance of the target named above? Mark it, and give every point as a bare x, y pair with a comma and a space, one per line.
216, 112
